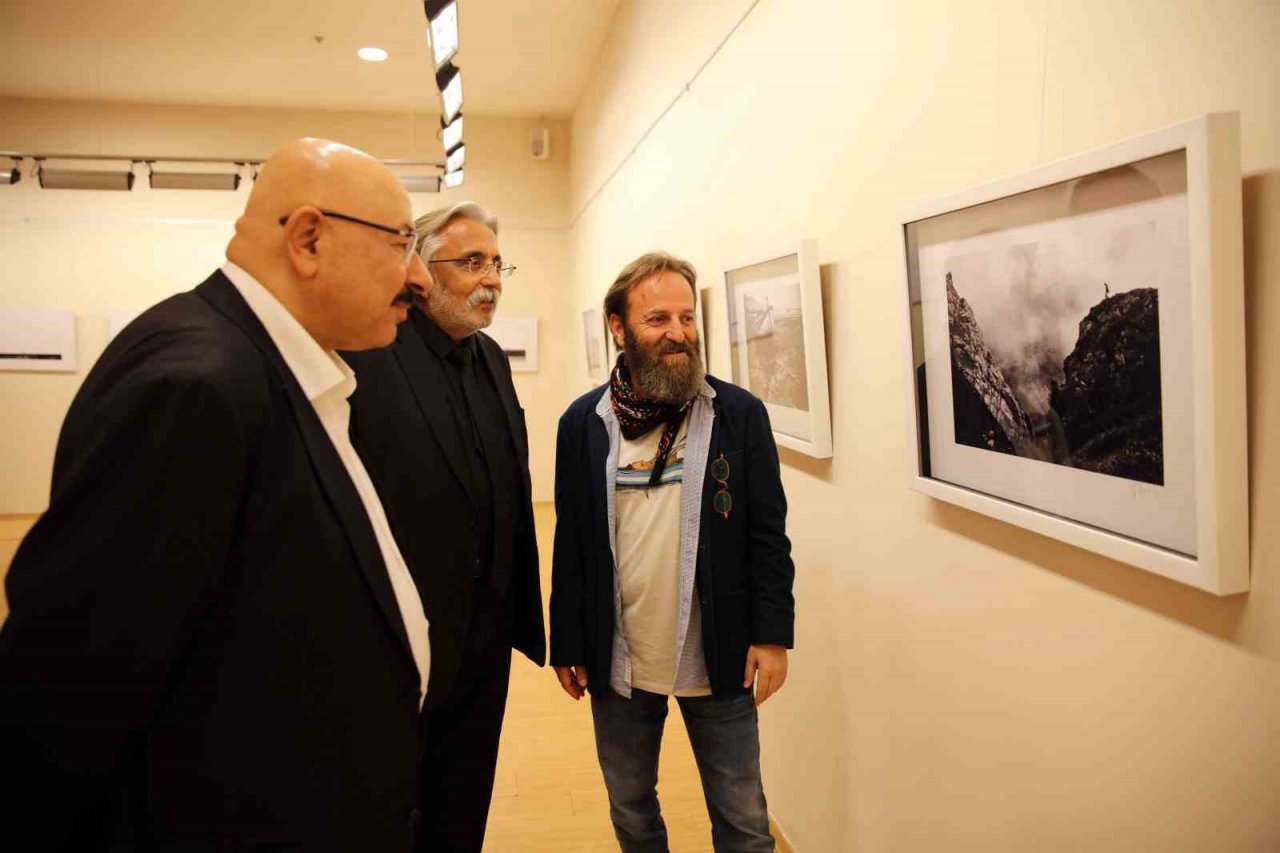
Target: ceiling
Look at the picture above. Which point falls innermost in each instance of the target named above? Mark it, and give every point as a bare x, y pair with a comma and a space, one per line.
517, 58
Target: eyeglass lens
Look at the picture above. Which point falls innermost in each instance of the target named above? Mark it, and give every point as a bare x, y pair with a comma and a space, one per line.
721, 501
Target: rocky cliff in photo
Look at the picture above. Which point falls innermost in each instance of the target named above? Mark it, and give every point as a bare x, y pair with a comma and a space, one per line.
1109, 400
987, 414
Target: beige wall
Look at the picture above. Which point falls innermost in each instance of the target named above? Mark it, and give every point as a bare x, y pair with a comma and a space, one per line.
958, 684
96, 252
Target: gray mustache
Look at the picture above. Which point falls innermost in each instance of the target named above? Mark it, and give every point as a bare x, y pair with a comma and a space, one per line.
483, 295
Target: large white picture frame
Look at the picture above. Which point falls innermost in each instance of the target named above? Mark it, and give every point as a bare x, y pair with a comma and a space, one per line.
1076, 352
777, 344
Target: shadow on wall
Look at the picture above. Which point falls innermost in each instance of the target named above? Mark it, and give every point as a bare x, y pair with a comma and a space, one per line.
1250, 621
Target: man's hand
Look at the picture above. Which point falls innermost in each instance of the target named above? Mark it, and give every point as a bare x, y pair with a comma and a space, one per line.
574, 679
767, 667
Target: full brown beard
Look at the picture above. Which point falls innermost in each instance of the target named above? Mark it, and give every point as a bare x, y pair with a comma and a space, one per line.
657, 379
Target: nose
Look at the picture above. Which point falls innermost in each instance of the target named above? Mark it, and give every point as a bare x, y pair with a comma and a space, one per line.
490, 277
417, 276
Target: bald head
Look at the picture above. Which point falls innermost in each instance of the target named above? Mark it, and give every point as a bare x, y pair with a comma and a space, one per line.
319, 265
318, 172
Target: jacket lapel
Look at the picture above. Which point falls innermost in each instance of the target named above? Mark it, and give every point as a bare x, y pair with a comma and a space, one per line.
328, 466
495, 362
425, 375
597, 459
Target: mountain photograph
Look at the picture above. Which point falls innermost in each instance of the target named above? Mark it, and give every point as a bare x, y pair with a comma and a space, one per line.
1053, 364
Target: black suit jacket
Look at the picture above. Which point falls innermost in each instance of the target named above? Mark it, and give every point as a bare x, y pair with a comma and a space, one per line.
744, 568
204, 649
408, 439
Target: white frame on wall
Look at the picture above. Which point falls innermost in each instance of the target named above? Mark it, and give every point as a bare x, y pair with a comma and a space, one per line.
1220, 564
38, 342
805, 432
513, 332
593, 318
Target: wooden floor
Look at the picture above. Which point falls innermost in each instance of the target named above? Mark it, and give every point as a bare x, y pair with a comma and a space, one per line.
549, 794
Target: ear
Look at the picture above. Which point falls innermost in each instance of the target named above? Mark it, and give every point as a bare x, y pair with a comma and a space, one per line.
302, 233
616, 326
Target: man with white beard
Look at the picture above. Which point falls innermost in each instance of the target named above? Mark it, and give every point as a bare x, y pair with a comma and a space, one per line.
672, 571
437, 418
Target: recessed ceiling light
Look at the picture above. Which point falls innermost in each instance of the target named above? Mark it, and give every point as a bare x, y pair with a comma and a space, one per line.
372, 54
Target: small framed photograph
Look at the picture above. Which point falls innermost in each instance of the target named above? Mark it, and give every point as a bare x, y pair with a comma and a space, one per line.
518, 337
38, 341
593, 336
706, 320
1076, 339
777, 345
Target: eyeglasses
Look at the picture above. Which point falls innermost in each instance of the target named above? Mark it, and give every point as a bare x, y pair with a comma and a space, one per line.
409, 234
478, 266
721, 501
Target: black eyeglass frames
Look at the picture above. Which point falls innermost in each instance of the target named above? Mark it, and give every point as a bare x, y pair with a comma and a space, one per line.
407, 233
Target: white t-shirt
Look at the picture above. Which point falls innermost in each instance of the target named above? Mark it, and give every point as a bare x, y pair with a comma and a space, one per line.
648, 542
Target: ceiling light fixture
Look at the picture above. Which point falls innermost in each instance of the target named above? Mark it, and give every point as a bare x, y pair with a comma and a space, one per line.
180, 175
443, 18
452, 179
451, 134
115, 172
449, 81
456, 160
84, 174
372, 54
420, 183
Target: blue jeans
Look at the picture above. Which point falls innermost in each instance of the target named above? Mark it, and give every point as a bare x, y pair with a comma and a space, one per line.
726, 745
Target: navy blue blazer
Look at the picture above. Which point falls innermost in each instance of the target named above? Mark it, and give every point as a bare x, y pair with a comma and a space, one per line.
744, 567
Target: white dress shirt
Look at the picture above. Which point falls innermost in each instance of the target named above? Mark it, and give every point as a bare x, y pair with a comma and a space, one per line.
328, 382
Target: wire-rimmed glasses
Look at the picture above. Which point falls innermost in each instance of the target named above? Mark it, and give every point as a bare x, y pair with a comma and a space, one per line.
476, 265
721, 501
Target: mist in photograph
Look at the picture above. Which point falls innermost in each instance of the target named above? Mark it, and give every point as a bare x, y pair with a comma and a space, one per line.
1055, 351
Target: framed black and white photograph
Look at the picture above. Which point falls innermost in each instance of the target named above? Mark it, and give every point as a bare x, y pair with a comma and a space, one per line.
706, 319
593, 336
1077, 358
518, 337
38, 341
777, 345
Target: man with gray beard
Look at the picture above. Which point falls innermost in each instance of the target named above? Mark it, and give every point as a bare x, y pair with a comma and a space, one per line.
437, 418
672, 571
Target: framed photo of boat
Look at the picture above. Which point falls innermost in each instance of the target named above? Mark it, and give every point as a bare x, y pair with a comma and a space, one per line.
777, 345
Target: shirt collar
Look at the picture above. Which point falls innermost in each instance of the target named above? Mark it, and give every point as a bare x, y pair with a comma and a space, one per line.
317, 370
436, 339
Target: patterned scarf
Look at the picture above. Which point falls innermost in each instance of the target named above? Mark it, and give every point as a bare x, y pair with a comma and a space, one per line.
637, 416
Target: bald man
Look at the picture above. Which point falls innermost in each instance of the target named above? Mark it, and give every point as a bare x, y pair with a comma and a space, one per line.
214, 642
